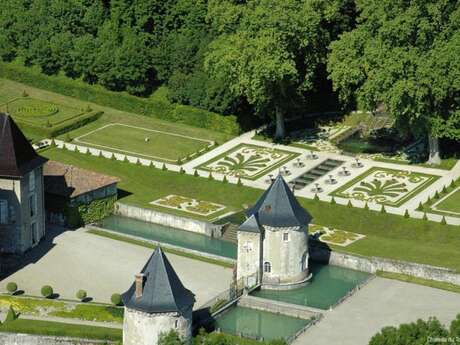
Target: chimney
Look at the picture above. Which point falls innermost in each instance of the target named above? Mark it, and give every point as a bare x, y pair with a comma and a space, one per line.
139, 279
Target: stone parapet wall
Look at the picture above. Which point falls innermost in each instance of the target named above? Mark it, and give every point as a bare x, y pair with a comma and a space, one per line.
29, 339
166, 219
374, 264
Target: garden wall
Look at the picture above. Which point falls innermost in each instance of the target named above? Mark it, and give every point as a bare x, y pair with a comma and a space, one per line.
277, 307
166, 219
374, 264
28, 339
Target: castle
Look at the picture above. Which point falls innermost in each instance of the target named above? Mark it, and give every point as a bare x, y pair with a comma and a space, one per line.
22, 204
273, 241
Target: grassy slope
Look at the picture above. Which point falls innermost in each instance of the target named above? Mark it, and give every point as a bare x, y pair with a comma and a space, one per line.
388, 235
61, 329
8, 87
420, 281
452, 203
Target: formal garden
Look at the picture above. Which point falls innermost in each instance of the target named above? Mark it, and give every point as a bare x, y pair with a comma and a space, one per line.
385, 186
334, 236
191, 205
248, 161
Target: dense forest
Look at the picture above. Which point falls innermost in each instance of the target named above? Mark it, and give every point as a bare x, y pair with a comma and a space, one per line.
268, 58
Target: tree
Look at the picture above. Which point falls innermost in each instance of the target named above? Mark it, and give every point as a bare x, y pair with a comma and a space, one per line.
170, 338
404, 55
270, 51
410, 334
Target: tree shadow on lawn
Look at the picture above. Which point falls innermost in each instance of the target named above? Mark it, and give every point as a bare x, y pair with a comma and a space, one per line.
11, 263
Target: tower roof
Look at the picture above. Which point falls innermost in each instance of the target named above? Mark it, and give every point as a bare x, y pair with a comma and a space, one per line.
17, 156
250, 225
278, 207
163, 291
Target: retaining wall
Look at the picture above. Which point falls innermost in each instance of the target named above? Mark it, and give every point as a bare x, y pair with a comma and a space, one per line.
28, 339
166, 219
277, 307
374, 264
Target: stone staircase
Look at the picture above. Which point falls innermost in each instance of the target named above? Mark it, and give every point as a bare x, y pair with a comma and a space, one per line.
230, 233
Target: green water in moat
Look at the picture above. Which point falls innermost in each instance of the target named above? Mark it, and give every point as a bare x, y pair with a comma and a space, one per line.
176, 237
328, 285
258, 324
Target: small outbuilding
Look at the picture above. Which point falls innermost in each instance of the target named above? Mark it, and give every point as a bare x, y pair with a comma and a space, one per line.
156, 303
76, 196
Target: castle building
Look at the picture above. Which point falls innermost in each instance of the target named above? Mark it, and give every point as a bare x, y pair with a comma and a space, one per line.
156, 303
273, 241
22, 205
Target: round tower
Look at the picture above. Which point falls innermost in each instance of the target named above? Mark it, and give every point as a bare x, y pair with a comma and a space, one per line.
156, 303
277, 227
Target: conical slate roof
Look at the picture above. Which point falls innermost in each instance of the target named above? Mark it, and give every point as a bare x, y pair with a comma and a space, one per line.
17, 156
278, 207
250, 225
163, 291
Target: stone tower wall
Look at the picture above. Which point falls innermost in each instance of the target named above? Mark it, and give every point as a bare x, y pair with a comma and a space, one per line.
141, 328
249, 254
288, 258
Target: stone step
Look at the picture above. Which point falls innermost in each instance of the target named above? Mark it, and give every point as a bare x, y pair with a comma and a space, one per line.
231, 233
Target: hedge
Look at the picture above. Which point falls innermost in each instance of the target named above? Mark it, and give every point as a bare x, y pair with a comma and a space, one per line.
61, 128
158, 108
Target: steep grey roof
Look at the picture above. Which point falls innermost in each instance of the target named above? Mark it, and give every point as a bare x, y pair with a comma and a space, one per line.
250, 225
17, 156
163, 291
278, 207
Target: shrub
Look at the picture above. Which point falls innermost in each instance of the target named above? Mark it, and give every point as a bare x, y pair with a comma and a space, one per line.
11, 315
25, 94
444, 189
443, 221
436, 195
239, 182
12, 287
47, 291
196, 173
210, 177
182, 170
81, 295
116, 299
349, 204
366, 206
224, 180
383, 210
333, 202
420, 207
406, 214
164, 168
452, 184
424, 216
179, 161
316, 197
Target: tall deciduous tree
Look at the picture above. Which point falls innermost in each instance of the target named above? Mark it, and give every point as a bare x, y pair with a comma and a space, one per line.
404, 54
270, 51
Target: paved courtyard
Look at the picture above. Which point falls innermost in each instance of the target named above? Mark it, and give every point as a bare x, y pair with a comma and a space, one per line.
383, 302
102, 266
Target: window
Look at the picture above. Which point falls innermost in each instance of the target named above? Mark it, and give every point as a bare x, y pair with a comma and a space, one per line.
32, 181
176, 324
32, 205
3, 211
267, 267
286, 236
33, 230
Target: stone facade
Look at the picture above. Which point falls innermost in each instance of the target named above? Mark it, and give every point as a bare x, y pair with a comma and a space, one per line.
249, 254
22, 212
141, 328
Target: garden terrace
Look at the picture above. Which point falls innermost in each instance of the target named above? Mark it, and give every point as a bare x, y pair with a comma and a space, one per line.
387, 235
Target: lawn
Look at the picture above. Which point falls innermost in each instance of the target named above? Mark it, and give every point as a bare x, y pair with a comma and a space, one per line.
450, 203
387, 235
142, 141
61, 329
10, 89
